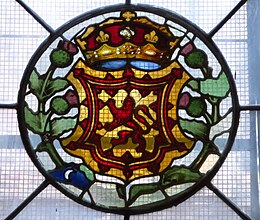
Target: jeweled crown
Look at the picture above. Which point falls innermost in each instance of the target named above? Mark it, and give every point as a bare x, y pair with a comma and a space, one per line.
127, 37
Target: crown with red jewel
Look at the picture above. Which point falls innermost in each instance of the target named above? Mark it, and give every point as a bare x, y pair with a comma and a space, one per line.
127, 37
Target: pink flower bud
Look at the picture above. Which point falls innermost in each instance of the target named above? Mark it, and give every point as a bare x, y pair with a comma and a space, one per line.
184, 100
71, 98
69, 47
187, 49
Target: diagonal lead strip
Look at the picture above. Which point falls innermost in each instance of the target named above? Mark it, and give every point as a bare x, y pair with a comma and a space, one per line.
35, 16
226, 200
35, 193
225, 20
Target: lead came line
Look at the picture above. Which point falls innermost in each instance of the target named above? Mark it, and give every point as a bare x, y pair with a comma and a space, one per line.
250, 108
35, 16
32, 196
14, 105
228, 201
225, 20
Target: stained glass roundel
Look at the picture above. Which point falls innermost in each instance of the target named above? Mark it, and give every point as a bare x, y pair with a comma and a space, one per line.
128, 109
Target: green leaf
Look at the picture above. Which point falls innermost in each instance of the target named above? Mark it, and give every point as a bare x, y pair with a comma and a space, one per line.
35, 83
137, 190
46, 87
89, 174
121, 191
179, 175
61, 125
193, 84
218, 87
53, 86
196, 128
35, 121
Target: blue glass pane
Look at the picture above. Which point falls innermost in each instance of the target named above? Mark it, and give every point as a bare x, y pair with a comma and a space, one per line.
145, 65
112, 64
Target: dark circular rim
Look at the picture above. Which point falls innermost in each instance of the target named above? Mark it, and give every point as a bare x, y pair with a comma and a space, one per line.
169, 15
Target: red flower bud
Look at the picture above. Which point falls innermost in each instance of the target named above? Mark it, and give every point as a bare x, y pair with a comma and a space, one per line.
187, 49
71, 98
69, 47
184, 100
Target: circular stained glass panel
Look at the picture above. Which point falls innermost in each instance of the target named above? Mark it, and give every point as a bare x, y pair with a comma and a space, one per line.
128, 109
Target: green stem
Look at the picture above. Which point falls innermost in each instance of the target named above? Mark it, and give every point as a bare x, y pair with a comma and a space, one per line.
200, 159
49, 73
49, 114
55, 157
215, 113
50, 149
208, 118
207, 149
215, 109
44, 121
205, 72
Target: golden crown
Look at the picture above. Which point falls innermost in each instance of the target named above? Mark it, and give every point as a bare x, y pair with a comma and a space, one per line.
127, 37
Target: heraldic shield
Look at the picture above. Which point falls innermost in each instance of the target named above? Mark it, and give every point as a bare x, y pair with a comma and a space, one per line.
128, 120
133, 114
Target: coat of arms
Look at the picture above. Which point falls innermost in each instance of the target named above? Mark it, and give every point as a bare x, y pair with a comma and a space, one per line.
130, 108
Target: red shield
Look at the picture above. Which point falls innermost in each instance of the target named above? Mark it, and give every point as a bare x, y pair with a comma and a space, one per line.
127, 125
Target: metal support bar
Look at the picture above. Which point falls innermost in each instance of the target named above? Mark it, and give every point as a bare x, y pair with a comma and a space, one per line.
14, 105
253, 40
35, 193
254, 165
126, 217
250, 108
128, 2
35, 16
228, 201
225, 20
